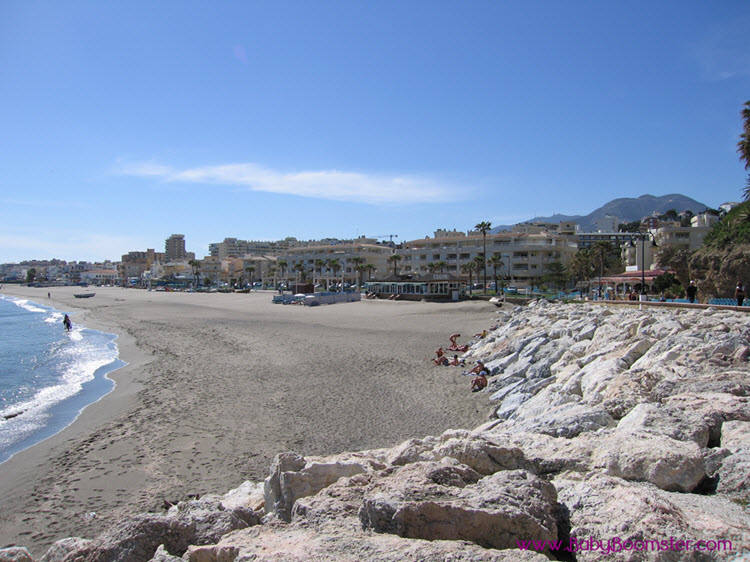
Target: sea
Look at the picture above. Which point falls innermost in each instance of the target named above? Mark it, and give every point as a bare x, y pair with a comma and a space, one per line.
48, 375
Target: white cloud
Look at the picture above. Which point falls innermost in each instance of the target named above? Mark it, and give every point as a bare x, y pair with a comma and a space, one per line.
322, 184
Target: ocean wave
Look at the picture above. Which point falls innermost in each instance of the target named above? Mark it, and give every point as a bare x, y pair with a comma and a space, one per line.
66, 364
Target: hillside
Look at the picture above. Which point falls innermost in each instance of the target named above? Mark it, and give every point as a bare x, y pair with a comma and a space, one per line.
628, 209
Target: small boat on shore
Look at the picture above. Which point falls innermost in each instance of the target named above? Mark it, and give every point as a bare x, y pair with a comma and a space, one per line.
83, 295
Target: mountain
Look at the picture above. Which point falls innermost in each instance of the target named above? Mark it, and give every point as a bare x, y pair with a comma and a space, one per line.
627, 209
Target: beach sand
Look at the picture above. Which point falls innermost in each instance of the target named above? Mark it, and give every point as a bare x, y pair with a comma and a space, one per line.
218, 384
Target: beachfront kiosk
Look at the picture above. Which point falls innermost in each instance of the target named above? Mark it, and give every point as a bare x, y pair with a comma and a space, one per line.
432, 286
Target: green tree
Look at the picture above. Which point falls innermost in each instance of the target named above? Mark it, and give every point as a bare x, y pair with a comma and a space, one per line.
665, 282
480, 265
582, 267
555, 275
601, 252
357, 261
431, 267
334, 266
394, 259
469, 268
484, 227
300, 268
318, 266
196, 267
669, 257
743, 145
496, 262
369, 268
634, 226
441, 265
282, 265
30, 275
250, 270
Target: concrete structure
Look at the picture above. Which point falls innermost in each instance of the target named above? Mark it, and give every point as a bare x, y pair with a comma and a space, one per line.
134, 264
607, 223
174, 248
524, 255
99, 276
315, 259
704, 219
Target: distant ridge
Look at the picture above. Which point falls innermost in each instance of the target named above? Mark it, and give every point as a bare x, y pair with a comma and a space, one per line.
627, 209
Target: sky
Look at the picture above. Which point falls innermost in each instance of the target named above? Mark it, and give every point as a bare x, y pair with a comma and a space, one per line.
125, 122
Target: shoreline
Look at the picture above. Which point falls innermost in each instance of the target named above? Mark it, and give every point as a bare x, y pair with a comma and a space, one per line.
181, 420
64, 413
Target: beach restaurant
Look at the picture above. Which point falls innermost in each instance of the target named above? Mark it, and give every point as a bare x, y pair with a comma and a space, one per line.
431, 286
628, 281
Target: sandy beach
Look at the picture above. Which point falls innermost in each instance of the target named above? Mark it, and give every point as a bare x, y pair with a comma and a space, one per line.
217, 384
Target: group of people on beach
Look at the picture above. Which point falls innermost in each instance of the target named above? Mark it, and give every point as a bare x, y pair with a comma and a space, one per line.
479, 382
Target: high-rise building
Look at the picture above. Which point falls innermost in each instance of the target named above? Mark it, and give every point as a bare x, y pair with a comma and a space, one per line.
174, 248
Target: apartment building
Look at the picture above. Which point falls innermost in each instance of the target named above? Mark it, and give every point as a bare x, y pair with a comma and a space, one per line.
174, 248
525, 255
134, 264
315, 260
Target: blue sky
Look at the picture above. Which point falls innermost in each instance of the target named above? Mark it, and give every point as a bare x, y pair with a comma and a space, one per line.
125, 122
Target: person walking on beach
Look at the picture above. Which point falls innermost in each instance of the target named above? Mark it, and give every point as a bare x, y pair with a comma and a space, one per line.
691, 292
67, 323
739, 293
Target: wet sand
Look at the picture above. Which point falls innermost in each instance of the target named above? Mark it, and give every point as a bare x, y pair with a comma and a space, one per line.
217, 384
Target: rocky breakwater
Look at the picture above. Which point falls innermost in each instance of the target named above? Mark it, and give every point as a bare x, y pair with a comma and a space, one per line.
616, 434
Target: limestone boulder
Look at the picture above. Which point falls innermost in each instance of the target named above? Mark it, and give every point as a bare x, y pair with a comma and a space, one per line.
209, 519
666, 420
480, 454
715, 408
734, 477
437, 502
135, 539
735, 435
161, 555
668, 464
566, 420
15, 554
613, 512
293, 477
60, 550
296, 543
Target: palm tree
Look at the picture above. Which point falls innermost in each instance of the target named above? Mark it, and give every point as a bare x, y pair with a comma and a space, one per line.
357, 261
361, 268
319, 265
272, 273
302, 270
394, 259
484, 227
496, 262
282, 266
334, 266
250, 270
196, 267
743, 145
481, 264
431, 266
369, 268
441, 265
470, 268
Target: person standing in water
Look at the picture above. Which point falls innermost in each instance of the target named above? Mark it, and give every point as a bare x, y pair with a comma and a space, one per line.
67, 323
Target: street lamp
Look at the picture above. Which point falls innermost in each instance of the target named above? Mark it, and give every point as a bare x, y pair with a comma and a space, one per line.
643, 236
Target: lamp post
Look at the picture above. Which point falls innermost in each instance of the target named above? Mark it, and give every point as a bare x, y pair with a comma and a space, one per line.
643, 236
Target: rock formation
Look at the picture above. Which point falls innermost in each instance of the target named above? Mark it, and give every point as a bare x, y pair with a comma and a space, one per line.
617, 434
